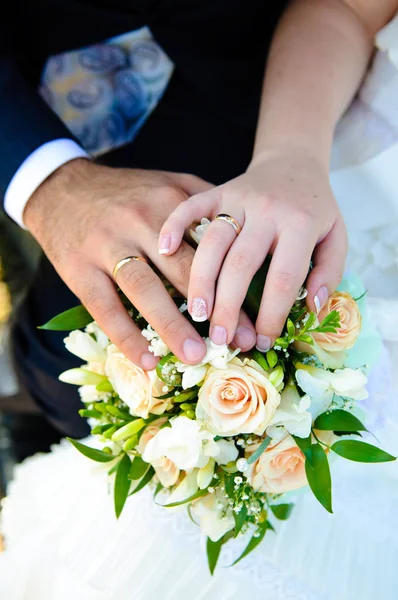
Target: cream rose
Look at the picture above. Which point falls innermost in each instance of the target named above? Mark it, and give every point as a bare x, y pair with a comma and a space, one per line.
166, 470
350, 323
279, 469
237, 399
139, 389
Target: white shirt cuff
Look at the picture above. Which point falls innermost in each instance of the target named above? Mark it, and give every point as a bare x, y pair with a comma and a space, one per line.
34, 170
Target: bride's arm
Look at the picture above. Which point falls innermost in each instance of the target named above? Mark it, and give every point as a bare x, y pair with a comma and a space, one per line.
283, 202
317, 60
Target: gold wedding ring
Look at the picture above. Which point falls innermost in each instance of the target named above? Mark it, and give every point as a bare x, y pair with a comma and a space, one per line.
124, 261
231, 221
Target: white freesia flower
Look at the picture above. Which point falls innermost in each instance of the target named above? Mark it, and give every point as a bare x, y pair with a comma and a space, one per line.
89, 394
213, 515
81, 377
199, 231
216, 356
156, 344
205, 475
322, 385
101, 337
84, 346
226, 452
292, 415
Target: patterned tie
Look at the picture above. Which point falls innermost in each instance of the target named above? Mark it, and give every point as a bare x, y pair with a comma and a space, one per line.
105, 93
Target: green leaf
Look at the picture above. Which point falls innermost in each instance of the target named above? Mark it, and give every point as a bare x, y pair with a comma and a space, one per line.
305, 445
255, 541
282, 511
93, 453
198, 494
272, 358
213, 550
74, 318
138, 468
144, 481
330, 323
306, 339
263, 446
318, 476
361, 452
229, 485
240, 519
290, 328
260, 359
338, 420
122, 484
129, 430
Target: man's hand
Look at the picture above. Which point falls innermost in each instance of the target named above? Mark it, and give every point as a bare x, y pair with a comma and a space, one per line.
87, 218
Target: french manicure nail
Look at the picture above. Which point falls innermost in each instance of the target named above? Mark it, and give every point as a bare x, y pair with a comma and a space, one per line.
219, 335
263, 343
148, 361
193, 350
244, 337
199, 310
164, 244
320, 298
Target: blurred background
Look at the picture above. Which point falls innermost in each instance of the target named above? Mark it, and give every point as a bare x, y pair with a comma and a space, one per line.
23, 429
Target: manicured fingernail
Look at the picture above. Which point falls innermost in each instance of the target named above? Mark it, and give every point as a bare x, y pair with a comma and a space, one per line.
244, 337
193, 350
263, 343
219, 335
164, 244
321, 298
199, 310
148, 361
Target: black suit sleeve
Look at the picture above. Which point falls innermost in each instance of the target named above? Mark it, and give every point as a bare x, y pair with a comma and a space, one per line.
26, 122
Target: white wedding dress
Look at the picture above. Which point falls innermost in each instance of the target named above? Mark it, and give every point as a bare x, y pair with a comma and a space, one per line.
62, 538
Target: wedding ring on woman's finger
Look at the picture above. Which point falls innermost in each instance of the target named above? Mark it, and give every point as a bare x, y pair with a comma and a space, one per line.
230, 220
124, 262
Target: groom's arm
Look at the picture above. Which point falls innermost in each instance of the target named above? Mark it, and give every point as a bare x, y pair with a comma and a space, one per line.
30, 133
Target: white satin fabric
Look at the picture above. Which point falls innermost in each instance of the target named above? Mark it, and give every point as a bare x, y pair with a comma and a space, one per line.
62, 539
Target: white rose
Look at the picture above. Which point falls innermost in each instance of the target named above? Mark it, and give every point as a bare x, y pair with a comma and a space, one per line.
237, 399
100, 337
84, 346
182, 443
321, 385
291, 415
213, 515
139, 389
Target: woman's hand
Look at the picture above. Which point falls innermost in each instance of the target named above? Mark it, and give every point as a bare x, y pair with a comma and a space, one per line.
286, 208
87, 218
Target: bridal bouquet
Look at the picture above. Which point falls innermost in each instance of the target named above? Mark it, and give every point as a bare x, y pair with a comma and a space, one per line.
232, 437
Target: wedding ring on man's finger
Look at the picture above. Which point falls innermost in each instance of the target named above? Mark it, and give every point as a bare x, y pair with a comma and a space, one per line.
230, 220
125, 261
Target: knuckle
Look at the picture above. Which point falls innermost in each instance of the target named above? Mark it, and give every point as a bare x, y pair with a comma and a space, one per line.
140, 281
183, 264
129, 343
100, 307
213, 238
239, 261
283, 282
303, 220
172, 327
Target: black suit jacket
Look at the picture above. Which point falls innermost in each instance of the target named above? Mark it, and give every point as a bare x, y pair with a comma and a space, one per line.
218, 47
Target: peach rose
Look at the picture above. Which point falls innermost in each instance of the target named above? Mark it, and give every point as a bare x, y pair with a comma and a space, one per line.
237, 399
350, 323
279, 469
167, 472
137, 388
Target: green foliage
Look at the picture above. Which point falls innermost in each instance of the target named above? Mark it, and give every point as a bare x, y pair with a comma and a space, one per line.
318, 476
213, 550
338, 420
282, 511
361, 452
198, 494
305, 445
144, 481
92, 453
330, 323
262, 447
122, 484
138, 468
74, 318
260, 359
255, 540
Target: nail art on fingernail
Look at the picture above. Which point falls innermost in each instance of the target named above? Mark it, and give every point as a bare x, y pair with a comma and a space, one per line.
320, 298
263, 343
199, 310
219, 335
164, 245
